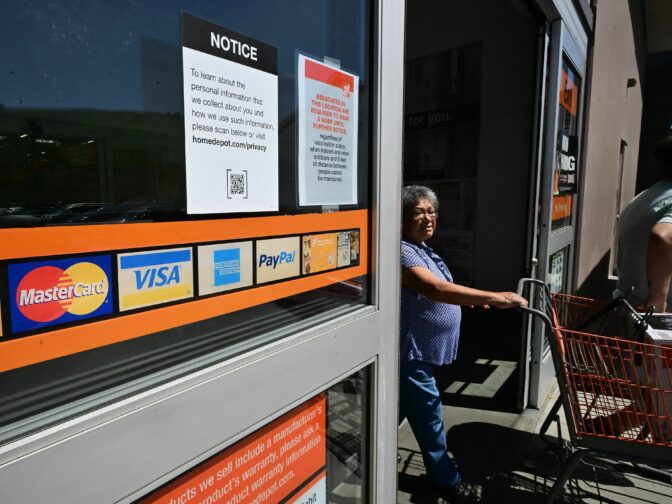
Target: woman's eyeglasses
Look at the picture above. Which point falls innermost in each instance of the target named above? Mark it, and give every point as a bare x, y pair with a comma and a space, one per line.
420, 215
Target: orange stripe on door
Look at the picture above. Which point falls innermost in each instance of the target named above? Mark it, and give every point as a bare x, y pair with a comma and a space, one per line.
64, 240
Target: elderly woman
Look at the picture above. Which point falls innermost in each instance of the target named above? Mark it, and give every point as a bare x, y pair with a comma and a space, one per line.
430, 329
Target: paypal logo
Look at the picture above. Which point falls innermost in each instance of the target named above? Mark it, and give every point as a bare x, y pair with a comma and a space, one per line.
273, 261
157, 277
278, 258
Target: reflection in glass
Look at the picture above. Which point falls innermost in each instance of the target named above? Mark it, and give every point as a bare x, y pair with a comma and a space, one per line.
441, 146
91, 113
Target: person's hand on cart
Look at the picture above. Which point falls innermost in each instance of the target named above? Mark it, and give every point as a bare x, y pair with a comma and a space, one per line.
504, 300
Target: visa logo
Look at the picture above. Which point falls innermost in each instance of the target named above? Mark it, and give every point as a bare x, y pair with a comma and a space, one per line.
273, 261
151, 278
157, 277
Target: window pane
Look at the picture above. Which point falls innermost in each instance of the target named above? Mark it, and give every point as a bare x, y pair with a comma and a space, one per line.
567, 149
92, 132
92, 126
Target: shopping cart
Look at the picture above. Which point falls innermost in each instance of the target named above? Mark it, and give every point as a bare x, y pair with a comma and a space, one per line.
615, 389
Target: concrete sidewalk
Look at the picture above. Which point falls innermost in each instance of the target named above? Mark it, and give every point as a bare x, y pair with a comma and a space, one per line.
503, 458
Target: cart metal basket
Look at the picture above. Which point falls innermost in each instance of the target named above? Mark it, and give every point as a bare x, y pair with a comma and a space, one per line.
616, 389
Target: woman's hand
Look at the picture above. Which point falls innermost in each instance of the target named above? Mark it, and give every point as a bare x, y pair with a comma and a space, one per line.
505, 300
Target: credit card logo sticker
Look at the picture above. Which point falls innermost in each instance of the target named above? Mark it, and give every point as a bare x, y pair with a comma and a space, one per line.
48, 293
227, 267
277, 258
272, 261
150, 278
348, 248
343, 249
319, 252
224, 266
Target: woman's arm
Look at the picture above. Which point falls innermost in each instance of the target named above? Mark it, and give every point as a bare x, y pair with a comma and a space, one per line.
423, 281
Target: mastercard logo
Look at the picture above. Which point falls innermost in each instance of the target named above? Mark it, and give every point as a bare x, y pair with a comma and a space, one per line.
47, 293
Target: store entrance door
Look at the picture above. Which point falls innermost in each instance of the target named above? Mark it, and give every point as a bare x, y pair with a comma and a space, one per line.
566, 68
469, 138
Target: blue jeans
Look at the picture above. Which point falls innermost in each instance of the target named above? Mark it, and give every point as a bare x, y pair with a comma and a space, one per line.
420, 403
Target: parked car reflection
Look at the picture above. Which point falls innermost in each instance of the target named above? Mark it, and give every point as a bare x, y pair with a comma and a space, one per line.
102, 213
86, 213
76, 213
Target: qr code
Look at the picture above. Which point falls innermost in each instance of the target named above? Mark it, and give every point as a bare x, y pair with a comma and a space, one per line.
236, 184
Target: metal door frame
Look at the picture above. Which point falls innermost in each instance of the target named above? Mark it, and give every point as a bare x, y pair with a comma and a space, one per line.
542, 373
121, 452
543, 47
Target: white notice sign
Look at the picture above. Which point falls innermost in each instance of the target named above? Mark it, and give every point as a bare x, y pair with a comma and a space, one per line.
230, 120
328, 105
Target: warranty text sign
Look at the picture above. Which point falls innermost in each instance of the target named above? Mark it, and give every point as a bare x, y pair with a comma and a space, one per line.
282, 462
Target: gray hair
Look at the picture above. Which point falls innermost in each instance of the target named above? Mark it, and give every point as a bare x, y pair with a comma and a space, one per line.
411, 195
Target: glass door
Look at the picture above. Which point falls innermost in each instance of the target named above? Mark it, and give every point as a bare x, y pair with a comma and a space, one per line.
559, 187
155, 350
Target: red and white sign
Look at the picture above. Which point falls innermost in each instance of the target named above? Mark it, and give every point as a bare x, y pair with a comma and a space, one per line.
328, 108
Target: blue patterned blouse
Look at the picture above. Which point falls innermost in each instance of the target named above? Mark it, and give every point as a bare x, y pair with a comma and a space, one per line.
430, 330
